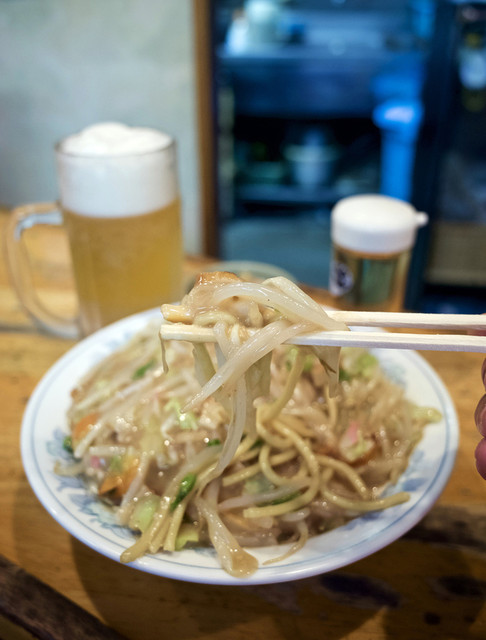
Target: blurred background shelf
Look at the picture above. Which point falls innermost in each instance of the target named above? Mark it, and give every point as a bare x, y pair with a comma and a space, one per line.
288, 194
315, 100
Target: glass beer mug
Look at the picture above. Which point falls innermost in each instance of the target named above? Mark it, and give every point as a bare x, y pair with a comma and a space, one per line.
119, 203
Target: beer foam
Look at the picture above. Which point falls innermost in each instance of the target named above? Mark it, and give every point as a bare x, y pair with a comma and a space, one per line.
110, 170
114, 139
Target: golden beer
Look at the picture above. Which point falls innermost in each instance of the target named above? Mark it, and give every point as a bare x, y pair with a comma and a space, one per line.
126, 264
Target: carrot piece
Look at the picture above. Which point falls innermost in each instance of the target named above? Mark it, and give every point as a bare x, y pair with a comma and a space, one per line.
119, 481
83, 426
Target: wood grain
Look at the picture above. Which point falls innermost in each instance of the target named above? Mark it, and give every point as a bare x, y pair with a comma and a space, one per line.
29, 604
429, 584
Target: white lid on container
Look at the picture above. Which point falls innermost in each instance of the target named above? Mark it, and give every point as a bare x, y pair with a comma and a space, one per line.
375, 224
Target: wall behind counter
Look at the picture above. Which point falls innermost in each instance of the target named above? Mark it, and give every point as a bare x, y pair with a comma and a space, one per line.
66, 64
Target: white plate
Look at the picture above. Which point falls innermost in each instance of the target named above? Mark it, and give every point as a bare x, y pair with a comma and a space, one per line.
44, 426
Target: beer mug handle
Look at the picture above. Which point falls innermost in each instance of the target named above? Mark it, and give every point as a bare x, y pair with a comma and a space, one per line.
20, 268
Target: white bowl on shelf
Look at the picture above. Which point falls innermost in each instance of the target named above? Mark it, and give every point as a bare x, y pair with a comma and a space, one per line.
311, 166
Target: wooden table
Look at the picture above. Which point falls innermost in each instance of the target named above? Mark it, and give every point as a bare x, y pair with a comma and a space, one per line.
429, 584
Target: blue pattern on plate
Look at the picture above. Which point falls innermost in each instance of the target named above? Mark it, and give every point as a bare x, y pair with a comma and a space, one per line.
89, 505
55, 447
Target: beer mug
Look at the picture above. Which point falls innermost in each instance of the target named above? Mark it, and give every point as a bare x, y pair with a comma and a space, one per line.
119, 203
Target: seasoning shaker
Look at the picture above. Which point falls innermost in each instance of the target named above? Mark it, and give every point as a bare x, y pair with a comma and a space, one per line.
372, 239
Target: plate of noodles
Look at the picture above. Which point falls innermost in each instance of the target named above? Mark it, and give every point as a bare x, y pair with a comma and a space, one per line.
144, 459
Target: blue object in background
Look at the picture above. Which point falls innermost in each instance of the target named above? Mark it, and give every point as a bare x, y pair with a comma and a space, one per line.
403, 77
422, 18
399, 121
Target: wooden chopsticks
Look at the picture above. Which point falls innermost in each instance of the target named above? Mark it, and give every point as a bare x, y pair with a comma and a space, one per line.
369, 337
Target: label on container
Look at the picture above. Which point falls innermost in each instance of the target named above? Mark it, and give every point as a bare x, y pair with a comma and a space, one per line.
368, 282
341, 278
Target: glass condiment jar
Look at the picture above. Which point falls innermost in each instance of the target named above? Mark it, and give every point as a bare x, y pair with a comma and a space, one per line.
372, 238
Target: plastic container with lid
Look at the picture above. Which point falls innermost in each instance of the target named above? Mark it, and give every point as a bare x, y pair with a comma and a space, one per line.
372, 238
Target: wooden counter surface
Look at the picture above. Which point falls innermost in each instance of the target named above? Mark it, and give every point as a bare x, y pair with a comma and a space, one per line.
429, 584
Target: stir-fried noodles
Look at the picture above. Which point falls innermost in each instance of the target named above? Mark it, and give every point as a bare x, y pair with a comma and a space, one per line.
245, 443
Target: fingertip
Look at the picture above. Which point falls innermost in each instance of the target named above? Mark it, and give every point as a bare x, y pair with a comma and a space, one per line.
480, 454
480, 416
